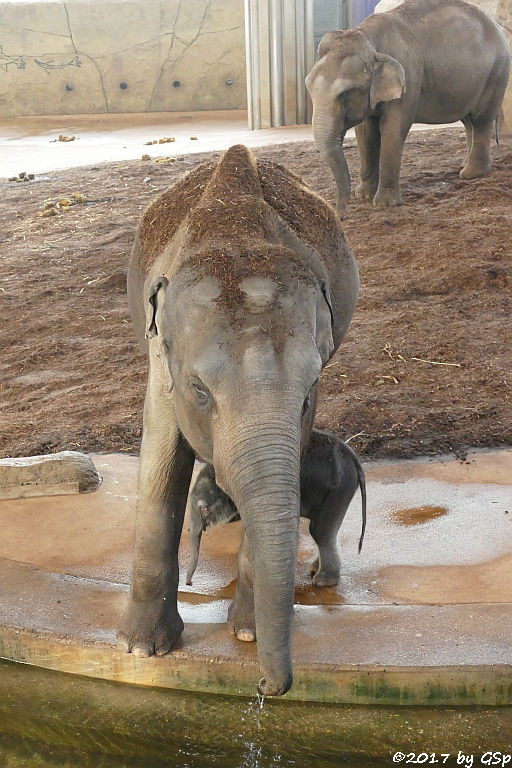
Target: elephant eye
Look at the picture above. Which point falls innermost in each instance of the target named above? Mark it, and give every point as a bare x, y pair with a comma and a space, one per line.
201, 392
204, 509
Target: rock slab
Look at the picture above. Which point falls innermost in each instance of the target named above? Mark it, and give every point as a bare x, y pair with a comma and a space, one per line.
55, 474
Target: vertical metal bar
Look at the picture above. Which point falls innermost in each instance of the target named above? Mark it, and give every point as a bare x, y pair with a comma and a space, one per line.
248, 63
309, 48
252, 48
289, 45
300, 63
276, 62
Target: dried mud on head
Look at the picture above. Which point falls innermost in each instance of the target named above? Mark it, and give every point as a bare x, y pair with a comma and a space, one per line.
232, 214
424, 368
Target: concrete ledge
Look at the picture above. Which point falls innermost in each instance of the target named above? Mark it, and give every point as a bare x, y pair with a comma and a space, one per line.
479, 685
56, 474
342, 654
422, 617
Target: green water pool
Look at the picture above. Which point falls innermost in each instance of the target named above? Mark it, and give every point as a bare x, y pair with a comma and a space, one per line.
53, 720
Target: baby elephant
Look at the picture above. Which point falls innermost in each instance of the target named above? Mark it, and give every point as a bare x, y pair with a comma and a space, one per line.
330, 475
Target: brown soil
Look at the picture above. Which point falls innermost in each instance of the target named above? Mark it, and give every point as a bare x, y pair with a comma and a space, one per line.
435, 277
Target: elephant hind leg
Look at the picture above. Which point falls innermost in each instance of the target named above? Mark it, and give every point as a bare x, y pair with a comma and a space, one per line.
468, 125
324, 527
478, 161
241, 616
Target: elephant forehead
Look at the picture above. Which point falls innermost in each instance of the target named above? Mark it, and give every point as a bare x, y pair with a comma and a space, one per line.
260, 293
351, 69
288, 359
200, 293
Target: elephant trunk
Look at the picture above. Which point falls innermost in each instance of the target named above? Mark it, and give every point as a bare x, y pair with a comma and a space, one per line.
196, 531
329, 134
263, 481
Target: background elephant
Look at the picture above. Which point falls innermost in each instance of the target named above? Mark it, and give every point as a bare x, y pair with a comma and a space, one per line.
429, 61
330, 474
241, 287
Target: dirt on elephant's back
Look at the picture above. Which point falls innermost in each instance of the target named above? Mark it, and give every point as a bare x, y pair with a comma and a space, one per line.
424, 368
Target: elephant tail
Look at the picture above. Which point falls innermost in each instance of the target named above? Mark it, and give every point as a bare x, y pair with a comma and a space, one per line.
362, 486
497, 123
361, 481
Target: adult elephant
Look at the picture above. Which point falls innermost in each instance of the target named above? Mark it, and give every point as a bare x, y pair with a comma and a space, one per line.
429, 61
241, 286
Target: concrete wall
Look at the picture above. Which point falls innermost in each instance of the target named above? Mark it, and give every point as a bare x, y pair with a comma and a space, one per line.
500, 10
89, 56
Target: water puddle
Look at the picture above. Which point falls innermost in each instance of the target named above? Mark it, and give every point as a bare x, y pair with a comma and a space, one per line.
417, 515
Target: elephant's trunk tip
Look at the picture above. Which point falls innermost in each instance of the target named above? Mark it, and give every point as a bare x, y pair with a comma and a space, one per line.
274, 689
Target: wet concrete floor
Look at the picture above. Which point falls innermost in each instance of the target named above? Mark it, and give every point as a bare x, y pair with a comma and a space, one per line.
422, 615
29, 143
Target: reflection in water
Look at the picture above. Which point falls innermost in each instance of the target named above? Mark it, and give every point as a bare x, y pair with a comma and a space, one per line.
417, 515
52, 720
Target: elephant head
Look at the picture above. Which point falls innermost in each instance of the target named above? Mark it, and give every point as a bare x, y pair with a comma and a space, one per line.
207, 505
348, 83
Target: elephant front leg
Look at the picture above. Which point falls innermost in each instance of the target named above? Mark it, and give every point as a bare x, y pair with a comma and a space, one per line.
241, 611
393, 135
368, 143
151, 623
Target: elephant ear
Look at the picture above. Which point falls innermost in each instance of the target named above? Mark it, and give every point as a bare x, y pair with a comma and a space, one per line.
388, 80
324, 323
154, 325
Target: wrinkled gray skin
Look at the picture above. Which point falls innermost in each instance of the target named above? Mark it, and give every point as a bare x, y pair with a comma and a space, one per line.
330, 475
415, 63
242, 397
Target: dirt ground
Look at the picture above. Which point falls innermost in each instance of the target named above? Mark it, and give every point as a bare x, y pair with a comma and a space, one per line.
426, 365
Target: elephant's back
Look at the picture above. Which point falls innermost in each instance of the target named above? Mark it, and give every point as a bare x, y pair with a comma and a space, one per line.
314, 221
164, 216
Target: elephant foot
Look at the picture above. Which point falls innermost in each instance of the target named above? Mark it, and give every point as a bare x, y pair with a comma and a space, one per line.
475, 171
325, 575
387, 199
365, 191
148, 628
341, 206
241, 621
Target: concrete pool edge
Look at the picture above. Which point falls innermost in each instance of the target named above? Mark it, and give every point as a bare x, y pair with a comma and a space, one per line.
450, 685
412, 622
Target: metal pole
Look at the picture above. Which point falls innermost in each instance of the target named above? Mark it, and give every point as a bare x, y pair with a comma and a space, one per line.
252, 54
276, 62
309, 49
300, 64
